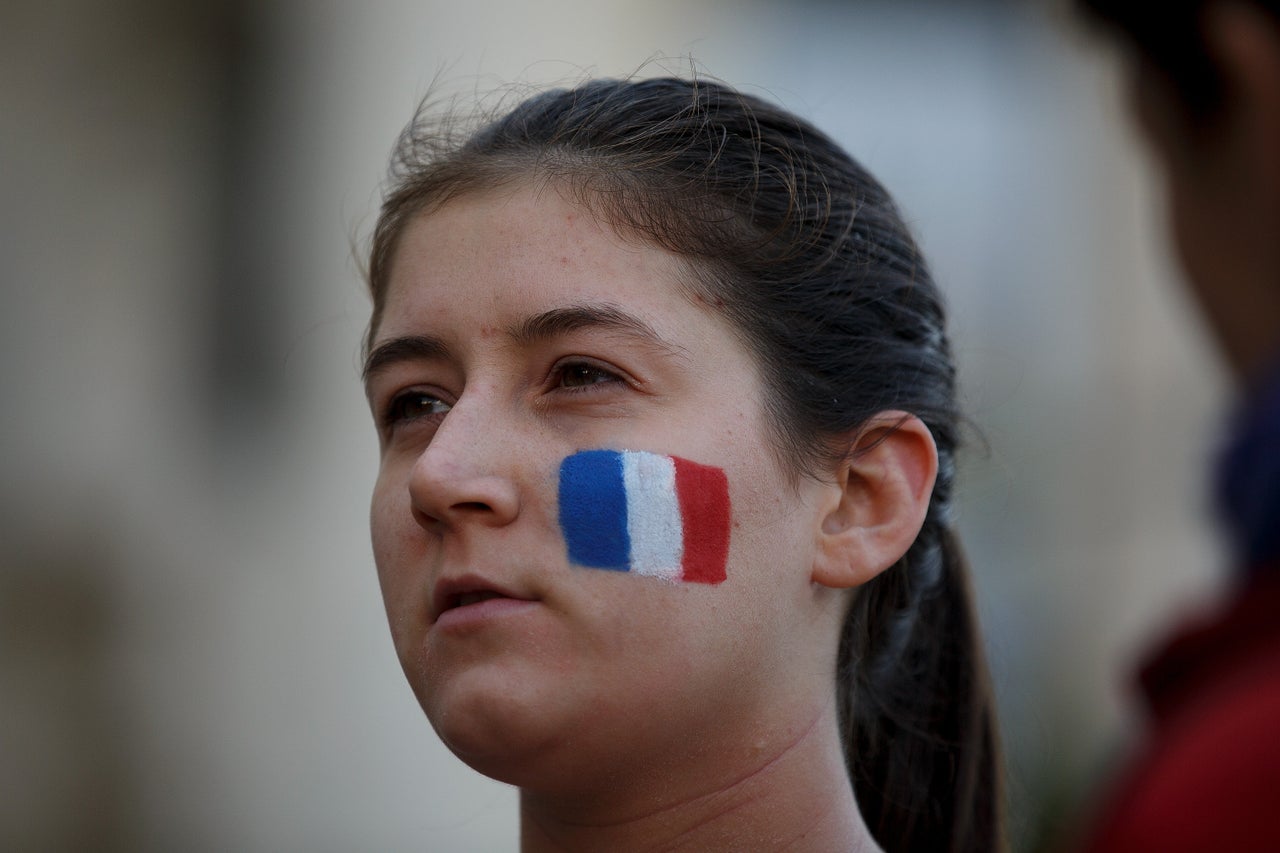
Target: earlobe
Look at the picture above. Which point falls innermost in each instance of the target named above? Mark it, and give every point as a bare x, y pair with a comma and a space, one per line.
878, 501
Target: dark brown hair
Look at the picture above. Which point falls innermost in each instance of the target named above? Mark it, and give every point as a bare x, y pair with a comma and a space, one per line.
809, 258
1169, 37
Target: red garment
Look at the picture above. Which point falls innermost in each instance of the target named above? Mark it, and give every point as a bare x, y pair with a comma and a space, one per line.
1208, 779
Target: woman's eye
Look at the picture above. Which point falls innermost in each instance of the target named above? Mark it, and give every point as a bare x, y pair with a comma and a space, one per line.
414, 405
580, 374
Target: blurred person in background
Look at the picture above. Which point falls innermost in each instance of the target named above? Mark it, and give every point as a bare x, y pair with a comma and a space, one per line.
1205, 91
667, 421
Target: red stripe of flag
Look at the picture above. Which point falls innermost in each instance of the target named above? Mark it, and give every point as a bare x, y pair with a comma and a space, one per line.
703, 492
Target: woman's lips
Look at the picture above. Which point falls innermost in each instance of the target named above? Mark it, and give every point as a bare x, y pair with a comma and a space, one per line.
474, 610
468, 600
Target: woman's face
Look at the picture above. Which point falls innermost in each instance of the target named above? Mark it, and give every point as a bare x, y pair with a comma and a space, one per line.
518, 330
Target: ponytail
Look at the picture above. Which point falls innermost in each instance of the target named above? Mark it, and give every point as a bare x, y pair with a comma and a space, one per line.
916, 706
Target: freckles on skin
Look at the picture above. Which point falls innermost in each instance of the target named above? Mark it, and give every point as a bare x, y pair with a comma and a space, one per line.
645, 513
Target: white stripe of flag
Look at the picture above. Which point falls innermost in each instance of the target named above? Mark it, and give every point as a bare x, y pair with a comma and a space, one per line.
653, 514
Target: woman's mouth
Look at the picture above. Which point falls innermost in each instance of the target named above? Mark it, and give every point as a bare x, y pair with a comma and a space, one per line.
472, 601
468, 598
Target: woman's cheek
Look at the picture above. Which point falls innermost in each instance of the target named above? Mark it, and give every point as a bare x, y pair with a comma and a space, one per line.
645, 513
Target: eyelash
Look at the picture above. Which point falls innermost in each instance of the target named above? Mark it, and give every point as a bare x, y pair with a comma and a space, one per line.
563, 372
397, 410
407, 406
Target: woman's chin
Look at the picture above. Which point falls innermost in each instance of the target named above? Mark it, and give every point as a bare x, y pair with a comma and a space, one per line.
501, 736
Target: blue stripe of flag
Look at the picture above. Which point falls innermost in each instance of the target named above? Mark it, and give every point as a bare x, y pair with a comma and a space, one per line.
593, 510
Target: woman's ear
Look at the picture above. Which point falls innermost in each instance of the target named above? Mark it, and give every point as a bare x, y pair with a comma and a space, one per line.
877, 502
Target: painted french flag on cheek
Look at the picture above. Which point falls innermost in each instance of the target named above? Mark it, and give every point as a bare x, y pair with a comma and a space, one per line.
633, 511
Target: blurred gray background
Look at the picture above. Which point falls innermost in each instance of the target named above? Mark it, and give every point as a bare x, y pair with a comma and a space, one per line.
192, 647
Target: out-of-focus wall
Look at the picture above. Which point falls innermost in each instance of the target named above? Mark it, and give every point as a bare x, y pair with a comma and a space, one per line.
193, 653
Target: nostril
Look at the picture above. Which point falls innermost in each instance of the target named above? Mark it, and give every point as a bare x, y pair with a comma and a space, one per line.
446, 493
427, 521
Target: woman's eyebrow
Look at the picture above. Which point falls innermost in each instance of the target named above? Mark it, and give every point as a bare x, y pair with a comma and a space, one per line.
404, 348
539, 327
572, 318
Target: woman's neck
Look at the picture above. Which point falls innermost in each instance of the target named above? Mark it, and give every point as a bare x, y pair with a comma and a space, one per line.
794, 795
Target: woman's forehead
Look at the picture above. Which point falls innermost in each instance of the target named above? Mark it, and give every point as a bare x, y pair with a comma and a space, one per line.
523, 252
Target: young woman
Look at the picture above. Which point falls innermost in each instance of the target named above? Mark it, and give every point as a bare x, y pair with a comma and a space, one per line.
667, 423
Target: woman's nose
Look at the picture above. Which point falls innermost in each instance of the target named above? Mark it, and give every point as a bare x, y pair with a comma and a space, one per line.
466, 474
